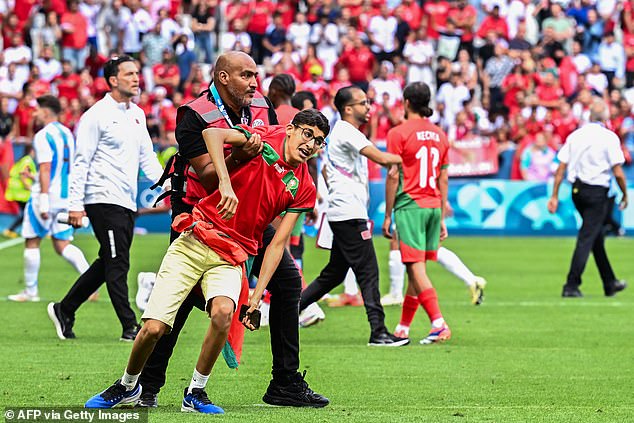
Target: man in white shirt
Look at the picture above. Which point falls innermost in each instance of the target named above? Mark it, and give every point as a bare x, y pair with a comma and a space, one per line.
347, 173
238, 39
48, 65
612, 59
21, 55
382, 32
451, 98
113, 146
590, 154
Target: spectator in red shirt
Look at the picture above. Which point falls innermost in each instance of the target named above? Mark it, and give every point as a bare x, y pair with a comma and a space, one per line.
75, 35
360, 63
24, 116
167, 119
566, 122
310, 60
68, 82
72, 114
514, 83
95, 62
411, 13
166, 73
12, 25
463, 15
237, 9
317, 86
494, 23
342, 80
260, 18
435, 17
549, 93
39, 86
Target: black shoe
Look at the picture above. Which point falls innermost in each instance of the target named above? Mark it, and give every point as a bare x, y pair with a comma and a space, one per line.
147, 400
294, 394
615, 287
569, 292
129, 335
386, 339
63, 324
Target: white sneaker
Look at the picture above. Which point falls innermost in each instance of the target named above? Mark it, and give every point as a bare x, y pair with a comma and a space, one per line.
265, 310
391, 299
23, 297
311, 315
145, 283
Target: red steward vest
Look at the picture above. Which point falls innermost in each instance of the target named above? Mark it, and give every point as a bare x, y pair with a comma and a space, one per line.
207, 110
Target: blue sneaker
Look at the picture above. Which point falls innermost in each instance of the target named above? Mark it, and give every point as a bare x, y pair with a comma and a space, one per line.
198, 402
113, 396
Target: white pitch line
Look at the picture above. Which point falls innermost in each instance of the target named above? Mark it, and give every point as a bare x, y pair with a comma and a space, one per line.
10, 243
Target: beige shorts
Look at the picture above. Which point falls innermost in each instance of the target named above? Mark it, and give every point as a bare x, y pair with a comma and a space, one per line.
186, 262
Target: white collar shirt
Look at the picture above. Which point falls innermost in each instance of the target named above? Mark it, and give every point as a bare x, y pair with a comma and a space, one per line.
590, 153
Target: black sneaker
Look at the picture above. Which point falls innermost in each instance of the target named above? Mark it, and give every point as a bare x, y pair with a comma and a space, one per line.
571, 292
129, 335
615, 287
295, 394
386, 339
63, 324
147, 400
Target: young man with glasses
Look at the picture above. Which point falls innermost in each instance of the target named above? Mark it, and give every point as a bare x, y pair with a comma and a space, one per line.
218, 242
347, 177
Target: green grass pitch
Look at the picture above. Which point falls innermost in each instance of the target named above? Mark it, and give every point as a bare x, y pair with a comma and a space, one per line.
525, 355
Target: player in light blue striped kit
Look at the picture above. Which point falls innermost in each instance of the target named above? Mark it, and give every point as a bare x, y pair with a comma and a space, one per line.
54, 146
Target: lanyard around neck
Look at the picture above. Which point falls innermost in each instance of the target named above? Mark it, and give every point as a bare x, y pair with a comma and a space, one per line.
223, 109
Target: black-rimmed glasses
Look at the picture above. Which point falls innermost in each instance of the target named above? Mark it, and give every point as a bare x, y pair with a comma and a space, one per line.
308, 136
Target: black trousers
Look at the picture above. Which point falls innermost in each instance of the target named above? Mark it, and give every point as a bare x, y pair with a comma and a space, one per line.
113, 226
285, 288
352, 247
592, 204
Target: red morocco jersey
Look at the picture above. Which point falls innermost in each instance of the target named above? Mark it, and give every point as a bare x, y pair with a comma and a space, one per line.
424, 149
266, 186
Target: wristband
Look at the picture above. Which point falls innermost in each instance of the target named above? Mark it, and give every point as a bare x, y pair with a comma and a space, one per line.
44, 203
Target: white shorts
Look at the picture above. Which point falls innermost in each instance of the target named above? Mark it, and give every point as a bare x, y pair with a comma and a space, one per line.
33, 226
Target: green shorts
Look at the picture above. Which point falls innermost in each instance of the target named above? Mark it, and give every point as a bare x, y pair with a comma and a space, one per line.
418, 233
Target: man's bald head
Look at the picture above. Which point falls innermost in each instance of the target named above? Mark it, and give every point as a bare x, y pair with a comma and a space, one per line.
235, 78
230, 60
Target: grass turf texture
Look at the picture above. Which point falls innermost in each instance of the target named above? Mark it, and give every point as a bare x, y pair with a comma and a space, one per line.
525, 355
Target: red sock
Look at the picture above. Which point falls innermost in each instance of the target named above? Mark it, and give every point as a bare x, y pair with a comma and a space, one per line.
429, 301
410, 305
267, 297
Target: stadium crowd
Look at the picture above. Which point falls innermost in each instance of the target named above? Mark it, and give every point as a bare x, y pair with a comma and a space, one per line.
520, 71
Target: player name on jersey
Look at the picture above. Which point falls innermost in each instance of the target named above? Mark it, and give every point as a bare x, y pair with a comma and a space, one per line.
427, 136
